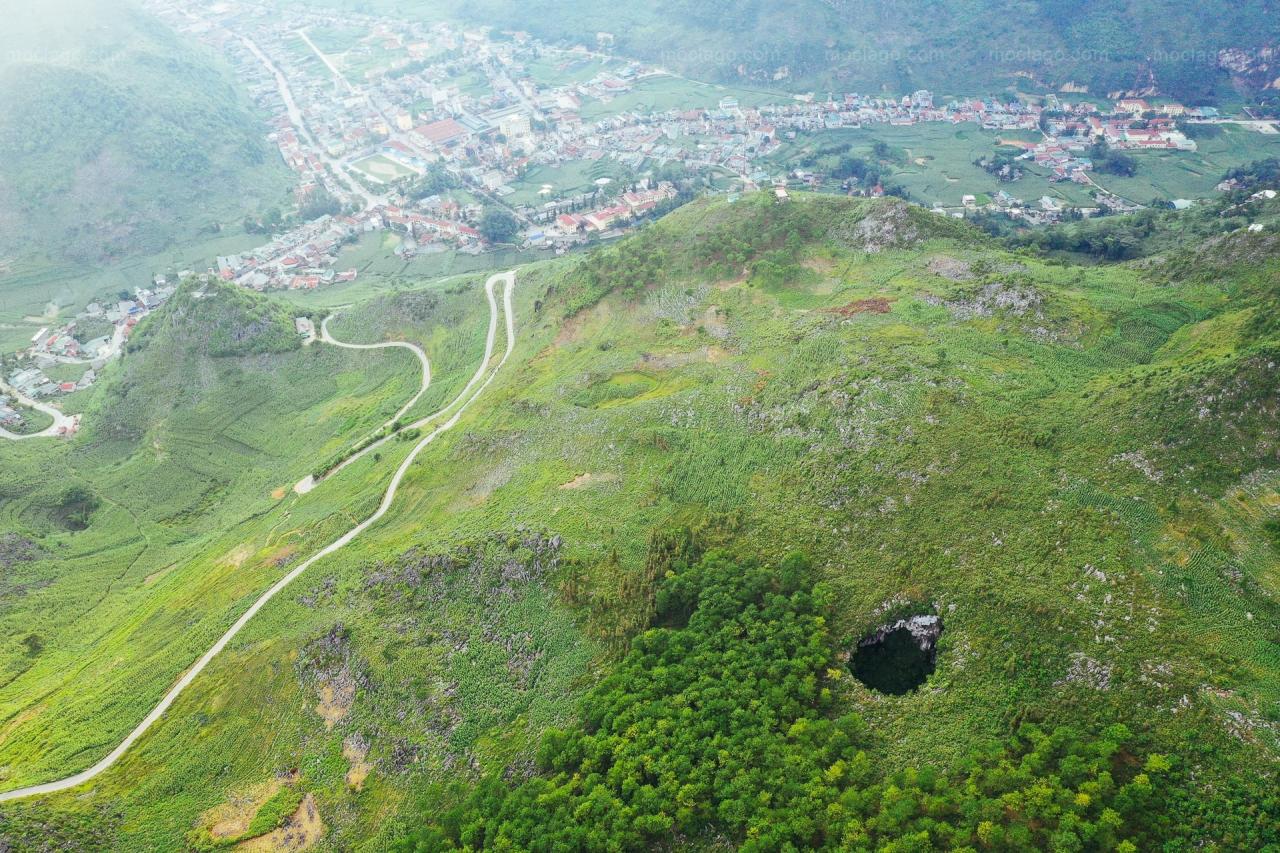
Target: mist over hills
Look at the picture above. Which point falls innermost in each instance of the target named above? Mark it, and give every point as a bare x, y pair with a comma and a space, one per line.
116, 136
956, 46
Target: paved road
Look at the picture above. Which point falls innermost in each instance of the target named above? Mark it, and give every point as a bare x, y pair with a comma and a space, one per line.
60, 420
333, 69
466, 398
309, 482
413, 348
295, 117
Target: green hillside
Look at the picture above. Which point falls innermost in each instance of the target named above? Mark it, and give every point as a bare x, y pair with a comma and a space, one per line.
620, 605
117, 137
955, 47
144, 532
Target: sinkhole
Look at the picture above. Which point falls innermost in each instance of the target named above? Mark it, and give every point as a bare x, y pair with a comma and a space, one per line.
899, 657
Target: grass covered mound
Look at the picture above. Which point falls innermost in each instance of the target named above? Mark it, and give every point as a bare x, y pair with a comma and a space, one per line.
209, 331
720, 728
756, 237
207, 317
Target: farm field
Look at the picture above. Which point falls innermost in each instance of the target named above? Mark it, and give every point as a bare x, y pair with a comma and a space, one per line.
1194, 175
565, 181
1014, 444
35, 292
665, 92
937, 164
564, 69
380, 270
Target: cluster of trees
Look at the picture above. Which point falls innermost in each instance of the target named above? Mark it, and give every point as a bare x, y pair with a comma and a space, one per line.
498, 226
720, 727
628, 266
1259, 173
1157, 229
856, 169
319, 203
1112, 238
1003, 166
435, 181
778, 267
268, 223
1112, 162
726, 251
852, 168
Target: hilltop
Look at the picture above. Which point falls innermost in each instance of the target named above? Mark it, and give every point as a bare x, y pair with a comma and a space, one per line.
729, 457
117, 137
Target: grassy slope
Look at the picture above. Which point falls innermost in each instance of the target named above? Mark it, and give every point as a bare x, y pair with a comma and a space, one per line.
119, 142
1042, 472
117, 137
189, 459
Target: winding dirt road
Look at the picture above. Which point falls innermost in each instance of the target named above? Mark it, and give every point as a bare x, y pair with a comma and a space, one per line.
462, 402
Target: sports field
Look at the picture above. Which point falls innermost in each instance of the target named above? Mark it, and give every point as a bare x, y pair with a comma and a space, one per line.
382, 169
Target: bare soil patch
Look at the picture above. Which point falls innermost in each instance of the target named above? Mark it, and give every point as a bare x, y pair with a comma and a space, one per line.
355, 750
875, 305
336, 698
231, 819
302, 830
582, 481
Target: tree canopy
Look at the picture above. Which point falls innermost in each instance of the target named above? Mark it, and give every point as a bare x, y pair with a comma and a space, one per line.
498, 226
721, 726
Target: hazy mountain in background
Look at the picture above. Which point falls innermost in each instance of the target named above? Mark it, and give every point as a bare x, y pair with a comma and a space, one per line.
959, 46
116, 136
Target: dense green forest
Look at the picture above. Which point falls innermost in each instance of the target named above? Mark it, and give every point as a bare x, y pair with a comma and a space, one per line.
118, 137
720, 727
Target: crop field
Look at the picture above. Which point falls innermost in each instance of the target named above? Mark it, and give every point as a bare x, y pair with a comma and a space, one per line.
380, 270
936, 164
1170, 175
35, 292
564, 181
565, 69
664, 92
931, 419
